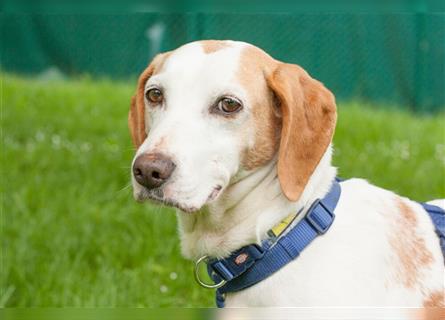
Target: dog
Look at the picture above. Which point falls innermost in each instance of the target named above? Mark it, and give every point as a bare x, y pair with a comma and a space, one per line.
236, 141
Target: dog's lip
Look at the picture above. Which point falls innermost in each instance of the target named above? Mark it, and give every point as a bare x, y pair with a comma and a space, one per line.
171, 203
215, 193
156, 196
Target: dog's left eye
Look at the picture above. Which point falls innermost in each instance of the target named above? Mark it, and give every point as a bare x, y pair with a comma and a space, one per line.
229, 105
154, 95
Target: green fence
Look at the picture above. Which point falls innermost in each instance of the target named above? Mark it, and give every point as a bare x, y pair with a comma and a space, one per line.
390, 58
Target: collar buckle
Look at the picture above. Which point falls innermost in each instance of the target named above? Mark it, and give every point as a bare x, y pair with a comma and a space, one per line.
320, 217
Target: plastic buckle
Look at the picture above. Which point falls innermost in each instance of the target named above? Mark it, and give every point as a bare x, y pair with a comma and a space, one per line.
222, 271
312, 221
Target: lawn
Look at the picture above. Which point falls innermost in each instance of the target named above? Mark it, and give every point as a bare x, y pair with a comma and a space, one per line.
71, 233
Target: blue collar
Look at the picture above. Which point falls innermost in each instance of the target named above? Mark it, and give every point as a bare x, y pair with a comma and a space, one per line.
254, 263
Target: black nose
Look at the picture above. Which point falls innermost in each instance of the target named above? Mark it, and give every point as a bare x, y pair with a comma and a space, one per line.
152, 169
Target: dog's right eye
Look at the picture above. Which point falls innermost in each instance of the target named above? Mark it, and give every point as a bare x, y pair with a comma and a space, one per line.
228, 105
154, 95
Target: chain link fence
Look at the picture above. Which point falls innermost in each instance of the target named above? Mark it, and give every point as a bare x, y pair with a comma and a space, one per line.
393, 59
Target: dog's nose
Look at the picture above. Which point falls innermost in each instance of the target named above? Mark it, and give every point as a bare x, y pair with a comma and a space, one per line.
152, 169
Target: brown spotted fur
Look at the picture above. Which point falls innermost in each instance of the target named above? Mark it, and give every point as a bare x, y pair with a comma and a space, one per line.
136, 115
410, 248
211, 46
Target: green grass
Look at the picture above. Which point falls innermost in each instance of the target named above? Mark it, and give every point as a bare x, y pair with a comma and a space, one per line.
73, 236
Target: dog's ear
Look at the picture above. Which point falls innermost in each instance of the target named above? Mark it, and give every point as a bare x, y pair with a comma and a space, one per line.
308, 122
136, 115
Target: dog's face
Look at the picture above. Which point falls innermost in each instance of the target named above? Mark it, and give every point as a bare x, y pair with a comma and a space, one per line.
211, 110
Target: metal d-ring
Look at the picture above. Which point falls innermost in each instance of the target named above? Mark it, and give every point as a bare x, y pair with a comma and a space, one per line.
202, 283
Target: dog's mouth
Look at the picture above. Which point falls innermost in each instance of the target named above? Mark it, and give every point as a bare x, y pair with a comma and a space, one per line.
215, 193
157, 196
171, 203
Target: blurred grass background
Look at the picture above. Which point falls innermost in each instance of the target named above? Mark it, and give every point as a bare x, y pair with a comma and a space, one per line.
72, 235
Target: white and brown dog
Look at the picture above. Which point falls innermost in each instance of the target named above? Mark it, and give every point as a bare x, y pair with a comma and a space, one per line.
238, 140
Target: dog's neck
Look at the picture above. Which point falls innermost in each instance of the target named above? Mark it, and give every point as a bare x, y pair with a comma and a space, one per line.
251, 205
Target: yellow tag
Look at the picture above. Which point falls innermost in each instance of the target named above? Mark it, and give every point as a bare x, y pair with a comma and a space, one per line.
279, 228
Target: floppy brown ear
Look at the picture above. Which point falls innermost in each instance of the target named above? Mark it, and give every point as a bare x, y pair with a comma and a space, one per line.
308, 123
136, 115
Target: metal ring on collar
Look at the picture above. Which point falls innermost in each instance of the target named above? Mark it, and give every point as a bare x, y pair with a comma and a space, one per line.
202, 283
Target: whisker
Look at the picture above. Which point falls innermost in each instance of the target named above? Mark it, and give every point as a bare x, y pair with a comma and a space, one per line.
124, 188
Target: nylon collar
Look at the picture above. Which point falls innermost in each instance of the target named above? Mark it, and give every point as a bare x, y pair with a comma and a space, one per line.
253, 263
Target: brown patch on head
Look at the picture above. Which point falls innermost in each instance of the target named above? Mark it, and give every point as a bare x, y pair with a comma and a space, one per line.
308, 120
136, 116
435, 300
266, 123
409, 247
211, 46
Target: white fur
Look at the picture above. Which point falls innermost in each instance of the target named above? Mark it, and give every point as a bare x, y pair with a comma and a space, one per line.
205, 147
352, 265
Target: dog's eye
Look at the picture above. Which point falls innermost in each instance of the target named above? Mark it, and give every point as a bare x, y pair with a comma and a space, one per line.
154, 95
229, 105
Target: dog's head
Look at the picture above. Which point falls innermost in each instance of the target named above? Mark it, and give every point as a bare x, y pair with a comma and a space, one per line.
210, 110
